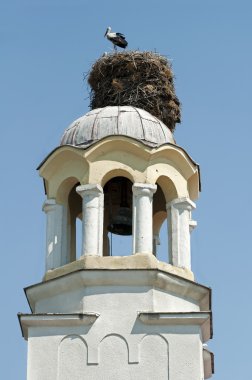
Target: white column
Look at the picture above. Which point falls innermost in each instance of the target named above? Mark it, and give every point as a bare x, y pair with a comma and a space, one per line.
179, 217
142, 217
54, 224
92, 219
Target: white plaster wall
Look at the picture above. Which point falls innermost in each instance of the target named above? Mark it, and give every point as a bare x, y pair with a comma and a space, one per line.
69, 302
72, 358
186, 357
42, 356
163, 301
66, 354
102, 299
117, 345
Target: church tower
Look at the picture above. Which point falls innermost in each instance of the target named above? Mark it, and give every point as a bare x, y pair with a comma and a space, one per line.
119, 171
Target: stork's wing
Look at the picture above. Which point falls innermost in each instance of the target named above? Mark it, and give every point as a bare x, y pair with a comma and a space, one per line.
120, 35
119, 41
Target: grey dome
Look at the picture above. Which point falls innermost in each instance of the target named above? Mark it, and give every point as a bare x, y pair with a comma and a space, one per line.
117, 120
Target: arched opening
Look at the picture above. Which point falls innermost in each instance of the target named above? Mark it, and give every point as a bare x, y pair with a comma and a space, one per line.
74, 223
160, 230
168, 187
117, 229
166, 192
71, 205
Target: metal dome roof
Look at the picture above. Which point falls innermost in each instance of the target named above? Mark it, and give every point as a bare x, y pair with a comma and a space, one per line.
117, 120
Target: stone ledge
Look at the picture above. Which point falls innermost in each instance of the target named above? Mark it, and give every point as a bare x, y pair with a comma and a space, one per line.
201, 318
137, 261
136, 278
54, 319
208, 358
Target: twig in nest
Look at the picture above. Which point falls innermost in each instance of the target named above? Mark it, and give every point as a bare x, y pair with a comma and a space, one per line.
139, 79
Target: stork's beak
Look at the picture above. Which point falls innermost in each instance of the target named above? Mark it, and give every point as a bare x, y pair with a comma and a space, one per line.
106, 32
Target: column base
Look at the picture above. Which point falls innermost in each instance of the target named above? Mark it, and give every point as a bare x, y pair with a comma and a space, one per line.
136, 261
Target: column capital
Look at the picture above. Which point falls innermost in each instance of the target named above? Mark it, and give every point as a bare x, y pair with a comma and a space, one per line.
181, 203
144, 189
89, 189
49, 205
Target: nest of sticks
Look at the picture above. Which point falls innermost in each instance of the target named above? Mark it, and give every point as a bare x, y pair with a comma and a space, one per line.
134, 78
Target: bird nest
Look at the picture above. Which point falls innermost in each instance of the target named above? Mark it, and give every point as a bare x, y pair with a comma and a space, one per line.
134, 78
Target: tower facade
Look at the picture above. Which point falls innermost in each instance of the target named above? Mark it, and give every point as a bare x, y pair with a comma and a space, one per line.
102, 315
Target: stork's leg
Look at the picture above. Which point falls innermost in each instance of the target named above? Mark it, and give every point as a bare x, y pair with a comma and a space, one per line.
115, 48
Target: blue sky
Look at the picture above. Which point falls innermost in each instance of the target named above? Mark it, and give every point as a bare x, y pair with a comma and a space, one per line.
45, 48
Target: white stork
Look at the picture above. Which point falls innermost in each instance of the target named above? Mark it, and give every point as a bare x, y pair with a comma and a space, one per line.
117, 39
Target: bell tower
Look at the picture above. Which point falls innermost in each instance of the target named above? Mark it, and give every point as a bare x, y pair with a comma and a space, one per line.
118, 170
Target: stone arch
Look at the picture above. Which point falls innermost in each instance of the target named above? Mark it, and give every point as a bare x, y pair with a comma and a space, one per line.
119, 336
153, 362
72, 204
72, 358
111, 145
64, 189
168, 187
117, 172
123, 157
114, 346
180, 160
63, 163
155, 335
73, 336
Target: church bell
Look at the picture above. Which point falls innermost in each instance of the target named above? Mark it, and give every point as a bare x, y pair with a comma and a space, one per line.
118, 197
